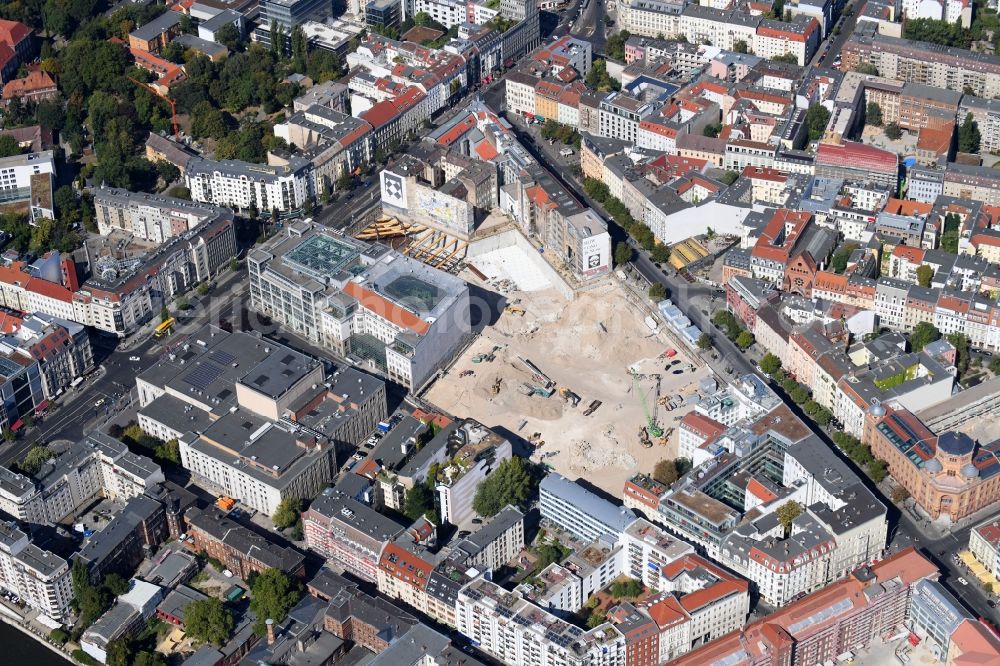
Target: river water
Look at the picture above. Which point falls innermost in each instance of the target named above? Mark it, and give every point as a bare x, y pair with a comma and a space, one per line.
19, 649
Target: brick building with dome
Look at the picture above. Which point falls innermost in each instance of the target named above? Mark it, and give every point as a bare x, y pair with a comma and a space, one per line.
948, 475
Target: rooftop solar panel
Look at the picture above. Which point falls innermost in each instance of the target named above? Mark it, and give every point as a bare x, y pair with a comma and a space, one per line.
203, 375
222, 357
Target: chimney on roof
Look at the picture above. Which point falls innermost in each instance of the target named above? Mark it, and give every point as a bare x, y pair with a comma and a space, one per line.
270, 631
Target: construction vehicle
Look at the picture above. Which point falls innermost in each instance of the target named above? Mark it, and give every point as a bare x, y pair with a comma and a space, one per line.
644, 438
537, 374
592, 407
466, 373
651, 425
528, 389
479, 358
569, 396
496, 385
515, 309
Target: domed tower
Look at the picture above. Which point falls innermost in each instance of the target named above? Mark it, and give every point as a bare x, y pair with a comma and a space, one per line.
954, 452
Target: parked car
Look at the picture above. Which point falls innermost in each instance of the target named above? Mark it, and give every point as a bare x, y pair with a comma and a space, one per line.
134, 359
99, 402
963, 581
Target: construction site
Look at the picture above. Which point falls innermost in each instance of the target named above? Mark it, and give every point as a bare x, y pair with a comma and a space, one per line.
586, 381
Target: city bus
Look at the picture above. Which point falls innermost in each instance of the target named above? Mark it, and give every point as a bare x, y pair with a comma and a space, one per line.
164, 328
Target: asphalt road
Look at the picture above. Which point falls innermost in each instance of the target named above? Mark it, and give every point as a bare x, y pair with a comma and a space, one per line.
590, 25
837, 42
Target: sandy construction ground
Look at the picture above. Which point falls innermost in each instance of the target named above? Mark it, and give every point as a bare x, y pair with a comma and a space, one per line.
586, 345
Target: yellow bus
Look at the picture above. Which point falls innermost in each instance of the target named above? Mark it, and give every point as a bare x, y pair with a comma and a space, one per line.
164, 328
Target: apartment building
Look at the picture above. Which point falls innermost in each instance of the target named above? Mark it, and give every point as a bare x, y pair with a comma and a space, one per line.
29, 179
390, 312
122, 543
246, 186
98, 464
510, 628
348, 533
984, 544
800, 38
826, 623
40, 578
938, 66
120, 295
473, 453
620, 115
575, 509
858, 162
700, 603
336, 143
241, 550
151, 217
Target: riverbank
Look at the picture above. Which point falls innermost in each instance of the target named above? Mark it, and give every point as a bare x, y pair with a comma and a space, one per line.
28, 652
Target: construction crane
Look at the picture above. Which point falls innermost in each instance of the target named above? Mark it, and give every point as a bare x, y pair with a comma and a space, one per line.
173, 105
651, 427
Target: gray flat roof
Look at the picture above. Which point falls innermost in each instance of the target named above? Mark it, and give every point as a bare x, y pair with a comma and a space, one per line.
613, 516
157, 26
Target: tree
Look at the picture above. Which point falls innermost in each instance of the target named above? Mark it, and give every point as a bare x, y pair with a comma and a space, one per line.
117, 653
740, 46
770, 363
866, 68
923, 334
287, 512
744, 340
36, 457
787, 513
899, 495
512, 483
660, 254
893, 131
712, 130
950, 233
208, 620
704, 342
169, 450
961, 344
873, 114
665, 472
968, 135
799, 394
181, 303
988, 588
623, 253
657, 292
272, 595
116, 584
838, 262
817, 116
149, 659
877, 470
418, 502
9, 146
729, 177
924, 275
229, 37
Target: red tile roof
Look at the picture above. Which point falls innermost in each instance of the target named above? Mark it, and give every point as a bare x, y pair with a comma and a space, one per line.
386, 309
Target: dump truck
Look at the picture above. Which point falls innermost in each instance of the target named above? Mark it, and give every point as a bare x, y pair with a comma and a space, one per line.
515, 309
569, 396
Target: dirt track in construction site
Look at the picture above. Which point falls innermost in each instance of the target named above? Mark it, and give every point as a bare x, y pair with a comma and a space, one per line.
586, 345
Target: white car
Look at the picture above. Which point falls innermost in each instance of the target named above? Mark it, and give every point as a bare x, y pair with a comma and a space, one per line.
134, 358
963, 581
99, 402
227, 573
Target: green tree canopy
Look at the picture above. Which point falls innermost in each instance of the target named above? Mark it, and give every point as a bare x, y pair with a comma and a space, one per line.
657, 292
272, 595
873, 114
924, 275
419, 501
287, 512
788, 512
968, 135
923, 334
744, 340
513, 482
770, 363
37, 456
817, 116
893, 131
208, 620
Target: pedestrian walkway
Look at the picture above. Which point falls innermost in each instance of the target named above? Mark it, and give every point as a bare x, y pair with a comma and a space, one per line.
977, 569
